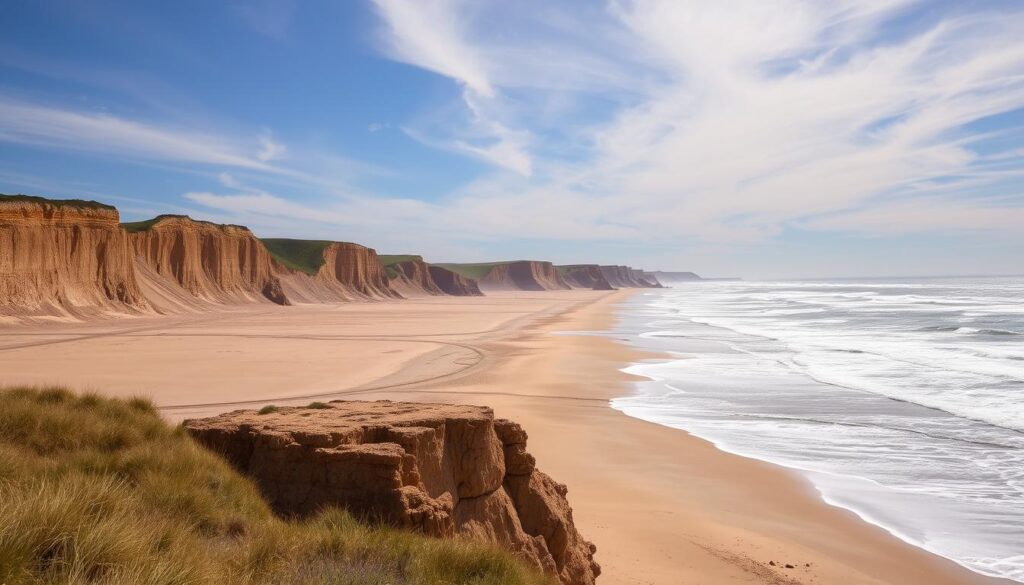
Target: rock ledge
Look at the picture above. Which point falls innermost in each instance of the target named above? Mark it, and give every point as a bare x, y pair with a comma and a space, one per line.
436, 468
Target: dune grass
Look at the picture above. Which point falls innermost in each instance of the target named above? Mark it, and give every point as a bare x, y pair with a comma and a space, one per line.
102, 491
302, 255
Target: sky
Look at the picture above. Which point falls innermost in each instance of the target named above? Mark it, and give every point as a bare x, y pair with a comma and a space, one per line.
753, 138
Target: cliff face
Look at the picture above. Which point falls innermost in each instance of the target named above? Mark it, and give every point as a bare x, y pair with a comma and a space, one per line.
626, 277
64, 258
523, 275
357, 269
453, 283
439, 469
217, 263
413, 277
587, 276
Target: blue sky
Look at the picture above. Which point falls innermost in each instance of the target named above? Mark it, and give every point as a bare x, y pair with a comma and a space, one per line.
779, 138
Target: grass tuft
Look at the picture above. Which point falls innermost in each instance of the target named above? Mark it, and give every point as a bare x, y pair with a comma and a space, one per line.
102, 491
319, 405
268, 409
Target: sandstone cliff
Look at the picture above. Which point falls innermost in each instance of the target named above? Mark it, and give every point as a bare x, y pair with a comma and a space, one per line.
516, 275
453, 283
411, 276
315, 271
626, 277
586, 276
64, 258
440, 469
357, 268
214, 262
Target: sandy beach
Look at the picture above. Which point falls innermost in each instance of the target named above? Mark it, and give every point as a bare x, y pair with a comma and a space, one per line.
662, 506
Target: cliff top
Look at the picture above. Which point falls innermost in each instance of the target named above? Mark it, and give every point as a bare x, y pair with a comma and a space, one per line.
75, 203
563, 268
147, 224
332, 422
390, 259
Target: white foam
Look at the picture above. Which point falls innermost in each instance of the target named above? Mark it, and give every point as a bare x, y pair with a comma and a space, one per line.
801, 374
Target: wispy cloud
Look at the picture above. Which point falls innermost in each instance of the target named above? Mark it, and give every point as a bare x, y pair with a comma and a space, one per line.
432, 34
63, 128
743, 118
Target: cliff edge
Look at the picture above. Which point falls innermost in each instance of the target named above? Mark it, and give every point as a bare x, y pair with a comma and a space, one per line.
64, 258
438, 469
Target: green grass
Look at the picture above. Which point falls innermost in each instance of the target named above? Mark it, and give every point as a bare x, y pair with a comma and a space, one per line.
390, 259
103, 492
268, 409
318, 405
76, 203
302, 255
147, 224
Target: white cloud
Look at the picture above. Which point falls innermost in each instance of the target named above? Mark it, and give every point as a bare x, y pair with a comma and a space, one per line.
270, 150
431, 34
741, 118
52, 127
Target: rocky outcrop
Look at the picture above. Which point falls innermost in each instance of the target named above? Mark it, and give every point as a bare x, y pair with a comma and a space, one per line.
443, 470
64, 258
587, 276
453, 283
523, 275
214, 262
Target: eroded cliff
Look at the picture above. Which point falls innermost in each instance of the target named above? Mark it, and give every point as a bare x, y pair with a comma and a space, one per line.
439, 469
586, 276
453, 283
64, 258
534, 275
214, 262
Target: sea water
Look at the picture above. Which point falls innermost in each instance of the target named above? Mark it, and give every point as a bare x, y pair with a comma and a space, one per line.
900, 399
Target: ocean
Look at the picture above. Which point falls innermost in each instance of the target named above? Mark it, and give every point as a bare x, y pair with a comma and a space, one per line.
900, 399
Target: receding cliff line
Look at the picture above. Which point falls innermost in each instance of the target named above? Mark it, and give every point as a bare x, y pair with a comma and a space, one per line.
65, 257
411, 276
585, 276
530, 275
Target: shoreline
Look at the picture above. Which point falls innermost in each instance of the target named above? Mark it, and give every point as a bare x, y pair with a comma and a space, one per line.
663, 506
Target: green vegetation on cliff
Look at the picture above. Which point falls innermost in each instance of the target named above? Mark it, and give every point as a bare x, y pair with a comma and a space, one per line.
103, 491
475, 271
76, 203
302, 255
391, 259
147, 224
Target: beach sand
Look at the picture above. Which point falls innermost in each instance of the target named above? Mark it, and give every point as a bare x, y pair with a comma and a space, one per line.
662, 506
